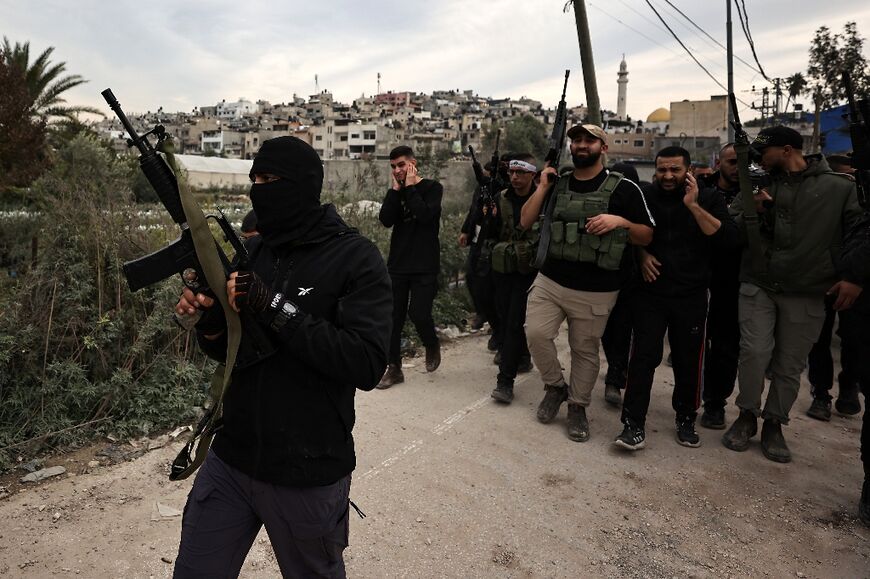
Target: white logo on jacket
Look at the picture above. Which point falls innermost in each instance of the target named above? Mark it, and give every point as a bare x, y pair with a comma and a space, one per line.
304, 291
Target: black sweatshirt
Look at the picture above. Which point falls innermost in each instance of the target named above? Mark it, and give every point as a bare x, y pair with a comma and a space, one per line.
684, 251
288, 417
414, 213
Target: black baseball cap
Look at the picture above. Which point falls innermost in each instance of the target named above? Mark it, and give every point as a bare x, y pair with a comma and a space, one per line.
778, 136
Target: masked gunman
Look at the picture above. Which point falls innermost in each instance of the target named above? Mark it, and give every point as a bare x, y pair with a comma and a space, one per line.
319, 295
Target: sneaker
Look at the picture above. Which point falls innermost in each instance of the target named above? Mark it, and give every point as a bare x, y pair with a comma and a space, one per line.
773, 442
848, 402
525, 366
632, 438
612, 394
864, 504
713, 418
578, 425
392, 376
744, 428
477, 323
820, 410
503, 393
433, 357
686, 434
553, 399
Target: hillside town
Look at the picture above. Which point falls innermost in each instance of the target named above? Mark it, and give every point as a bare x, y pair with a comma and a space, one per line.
445, 122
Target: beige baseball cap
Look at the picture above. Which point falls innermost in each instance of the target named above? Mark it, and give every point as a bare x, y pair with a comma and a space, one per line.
593, 130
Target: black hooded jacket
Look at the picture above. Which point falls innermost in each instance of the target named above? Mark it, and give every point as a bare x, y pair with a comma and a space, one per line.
289, 410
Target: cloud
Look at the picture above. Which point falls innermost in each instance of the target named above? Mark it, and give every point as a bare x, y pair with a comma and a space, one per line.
195, 53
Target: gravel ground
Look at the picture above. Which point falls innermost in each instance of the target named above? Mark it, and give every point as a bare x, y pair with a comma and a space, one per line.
455, 485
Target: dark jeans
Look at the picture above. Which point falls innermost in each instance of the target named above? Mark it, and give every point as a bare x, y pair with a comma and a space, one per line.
308, 527
723, 346
820, 362
616, 341
855, 330
412, 297
481, 287
511, 297
684, 319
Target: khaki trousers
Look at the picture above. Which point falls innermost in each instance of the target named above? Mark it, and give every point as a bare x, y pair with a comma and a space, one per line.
549, 304
776, 330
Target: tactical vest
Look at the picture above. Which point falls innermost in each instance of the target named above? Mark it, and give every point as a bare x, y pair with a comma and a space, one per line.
568, 238
515, 249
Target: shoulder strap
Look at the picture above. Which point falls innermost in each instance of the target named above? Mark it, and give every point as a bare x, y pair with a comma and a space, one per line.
194, 452
611, 183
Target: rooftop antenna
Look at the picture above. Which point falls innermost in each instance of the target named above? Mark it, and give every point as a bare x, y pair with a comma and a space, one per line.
379, 83
316, 85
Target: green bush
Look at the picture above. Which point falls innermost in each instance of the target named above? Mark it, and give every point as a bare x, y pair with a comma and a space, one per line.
76, 347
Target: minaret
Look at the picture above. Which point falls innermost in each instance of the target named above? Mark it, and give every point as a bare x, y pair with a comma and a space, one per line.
622, 81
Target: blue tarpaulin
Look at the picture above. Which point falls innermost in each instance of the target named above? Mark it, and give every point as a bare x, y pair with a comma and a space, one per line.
835, 128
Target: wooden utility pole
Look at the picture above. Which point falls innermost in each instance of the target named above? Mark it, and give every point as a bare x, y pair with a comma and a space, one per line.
730, 50
587, 62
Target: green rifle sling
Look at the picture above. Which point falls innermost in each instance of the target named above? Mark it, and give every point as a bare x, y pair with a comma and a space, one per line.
206, 253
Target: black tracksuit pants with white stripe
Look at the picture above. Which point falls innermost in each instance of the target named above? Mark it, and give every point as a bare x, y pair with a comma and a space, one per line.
684, 319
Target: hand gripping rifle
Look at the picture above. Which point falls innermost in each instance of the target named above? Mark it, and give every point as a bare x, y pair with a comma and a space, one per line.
859, 116
202, 264
488, 188
750, 215
180, 255
557, 145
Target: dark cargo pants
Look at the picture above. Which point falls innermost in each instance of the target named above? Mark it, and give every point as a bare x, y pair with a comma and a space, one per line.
308, 527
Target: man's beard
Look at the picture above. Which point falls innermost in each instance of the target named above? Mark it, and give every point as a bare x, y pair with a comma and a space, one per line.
588, 161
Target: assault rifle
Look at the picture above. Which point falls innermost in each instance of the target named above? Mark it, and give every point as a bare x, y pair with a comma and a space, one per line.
180, 255
859, 116
747, 198
488, 187
556, 143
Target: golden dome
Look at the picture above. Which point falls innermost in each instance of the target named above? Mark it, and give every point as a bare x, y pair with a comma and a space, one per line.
659, 116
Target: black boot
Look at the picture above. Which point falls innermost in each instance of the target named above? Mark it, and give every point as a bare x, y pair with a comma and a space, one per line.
713, 418
773, 442
864, 505
744, 428
503, 392
553, 399
578, 425
847, 401
433, 357
612, 394
820, 409
392, 376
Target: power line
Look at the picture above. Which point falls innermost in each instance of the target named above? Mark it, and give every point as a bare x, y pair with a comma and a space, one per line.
704, 32
743, 15
656, 42
689, 52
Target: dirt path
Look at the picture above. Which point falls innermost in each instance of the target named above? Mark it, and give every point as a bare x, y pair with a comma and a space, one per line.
457, 486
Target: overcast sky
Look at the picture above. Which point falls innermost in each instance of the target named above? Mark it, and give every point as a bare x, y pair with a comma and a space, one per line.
180, 55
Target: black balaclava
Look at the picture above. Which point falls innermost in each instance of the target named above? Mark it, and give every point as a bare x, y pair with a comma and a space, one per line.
287, 209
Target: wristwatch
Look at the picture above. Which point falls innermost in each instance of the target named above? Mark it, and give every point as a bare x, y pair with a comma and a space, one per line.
285, 311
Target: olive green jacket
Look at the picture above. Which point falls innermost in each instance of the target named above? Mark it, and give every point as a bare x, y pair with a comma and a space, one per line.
802, 233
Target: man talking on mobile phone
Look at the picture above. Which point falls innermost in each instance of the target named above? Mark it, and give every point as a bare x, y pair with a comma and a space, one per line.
412, 207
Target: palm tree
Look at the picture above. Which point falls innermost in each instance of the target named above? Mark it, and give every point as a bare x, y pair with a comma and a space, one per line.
796, 85
44, 82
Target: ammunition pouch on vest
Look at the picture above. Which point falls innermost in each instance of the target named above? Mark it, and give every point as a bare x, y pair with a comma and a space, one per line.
515, 249
568, 238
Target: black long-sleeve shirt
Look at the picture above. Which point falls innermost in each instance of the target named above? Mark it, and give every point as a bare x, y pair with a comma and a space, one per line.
684, 251
414, 213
